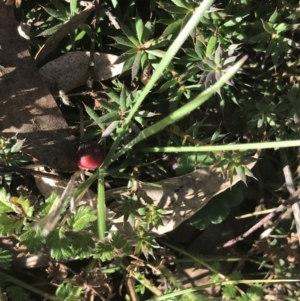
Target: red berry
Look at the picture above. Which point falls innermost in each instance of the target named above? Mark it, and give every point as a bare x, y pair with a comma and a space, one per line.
89, 155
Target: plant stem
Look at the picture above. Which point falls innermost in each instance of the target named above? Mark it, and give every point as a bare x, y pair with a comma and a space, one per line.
194, 258
228, 147
101, 206
28, 286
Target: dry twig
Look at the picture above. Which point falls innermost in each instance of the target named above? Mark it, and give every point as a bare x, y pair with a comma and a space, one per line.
291, 200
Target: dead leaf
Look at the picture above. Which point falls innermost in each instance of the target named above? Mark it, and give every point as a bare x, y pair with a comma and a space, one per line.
27, 108
53, 42
71, 70
181, 197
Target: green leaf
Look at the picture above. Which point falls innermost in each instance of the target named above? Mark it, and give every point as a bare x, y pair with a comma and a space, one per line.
5, 205
136, 65
147, 32
10, 225
66, 292
82, 244
46, 207
60, 245
217, 208
25, 204
180, 3
73, 7
173, 9
211, 46
82, 218
129, 34
114, 96
128, 63
80, 35
171, 28
107, 132
123, 99
218, 55
233, 22
59, 14
241, 173
229, 291
273, 18
119, 241
91, 113
104, 251
123, 41
170, 83
5, 258
261, 37
255, 292
156, 52
187, 162
242, 298
158, 44
50, 31
33, 239
139, 27
107, 118
124, 57
63, 9
236, 275
86, 28
17, 147
17, 293
110, 106
267, 27
282, 27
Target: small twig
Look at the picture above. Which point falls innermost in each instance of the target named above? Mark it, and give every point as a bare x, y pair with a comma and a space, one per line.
27, 171
50, 221
153, 268
28, 287
130, 286
293, 198
81, 111
262, 212
84, 93
196, 259
91, 67
110, 17
290, 187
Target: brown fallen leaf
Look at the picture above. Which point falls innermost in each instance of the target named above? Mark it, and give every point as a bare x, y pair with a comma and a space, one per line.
54, 40
26, 106
71, 70
180, 197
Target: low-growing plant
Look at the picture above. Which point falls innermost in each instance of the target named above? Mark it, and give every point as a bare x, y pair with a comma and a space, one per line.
203, 85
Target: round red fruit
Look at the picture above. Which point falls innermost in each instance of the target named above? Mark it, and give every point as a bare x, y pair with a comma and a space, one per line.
89, 155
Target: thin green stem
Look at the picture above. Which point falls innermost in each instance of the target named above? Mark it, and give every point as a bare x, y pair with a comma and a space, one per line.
228, 147
101, 209
86, 184
195, 259
27, 286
